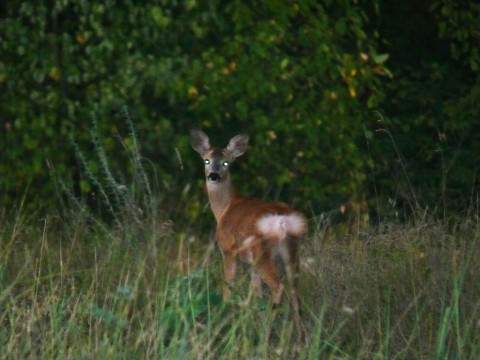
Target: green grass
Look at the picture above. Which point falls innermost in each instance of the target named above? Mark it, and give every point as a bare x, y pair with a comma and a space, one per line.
72, 287
71, 290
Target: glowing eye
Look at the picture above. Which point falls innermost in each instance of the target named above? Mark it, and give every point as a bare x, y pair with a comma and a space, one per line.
207, 161
225, 163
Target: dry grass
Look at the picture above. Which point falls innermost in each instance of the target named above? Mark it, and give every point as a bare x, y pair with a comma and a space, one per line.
407, 291
69, 290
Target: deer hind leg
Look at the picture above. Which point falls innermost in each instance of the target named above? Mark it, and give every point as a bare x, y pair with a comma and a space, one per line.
256, 281
291, 268
268, 274
230, 265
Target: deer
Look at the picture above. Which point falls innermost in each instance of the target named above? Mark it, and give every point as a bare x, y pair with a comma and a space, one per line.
248, 229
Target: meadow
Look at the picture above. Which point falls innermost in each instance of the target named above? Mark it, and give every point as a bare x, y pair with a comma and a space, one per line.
125, 281
110, 252
74, 288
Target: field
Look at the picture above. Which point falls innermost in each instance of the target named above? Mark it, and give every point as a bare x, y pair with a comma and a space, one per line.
107, 246
72, 288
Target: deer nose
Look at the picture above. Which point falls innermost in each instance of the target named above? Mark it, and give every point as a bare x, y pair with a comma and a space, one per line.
214, 177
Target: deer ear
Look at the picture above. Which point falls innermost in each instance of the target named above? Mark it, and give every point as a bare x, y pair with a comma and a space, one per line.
238, 145
199, 140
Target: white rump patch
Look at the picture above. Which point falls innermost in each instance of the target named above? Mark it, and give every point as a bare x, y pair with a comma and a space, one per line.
282, 225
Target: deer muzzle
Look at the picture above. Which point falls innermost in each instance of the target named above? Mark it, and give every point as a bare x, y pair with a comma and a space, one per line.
213, 177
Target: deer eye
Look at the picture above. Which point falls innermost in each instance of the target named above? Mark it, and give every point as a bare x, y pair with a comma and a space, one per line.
206, 161
225, 163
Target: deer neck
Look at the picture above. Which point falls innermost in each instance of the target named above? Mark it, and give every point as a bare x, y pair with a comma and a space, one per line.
220, 196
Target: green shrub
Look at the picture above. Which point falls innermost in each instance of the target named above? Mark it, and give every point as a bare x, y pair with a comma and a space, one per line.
298, 77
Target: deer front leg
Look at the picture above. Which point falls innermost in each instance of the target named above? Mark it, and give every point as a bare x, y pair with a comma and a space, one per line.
229, 274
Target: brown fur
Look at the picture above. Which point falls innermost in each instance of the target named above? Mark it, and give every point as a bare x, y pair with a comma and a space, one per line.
237, 218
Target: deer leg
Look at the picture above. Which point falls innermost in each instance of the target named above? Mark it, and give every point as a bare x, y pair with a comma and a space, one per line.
291, 272
268, 273
291, 268
256, 282
229, 275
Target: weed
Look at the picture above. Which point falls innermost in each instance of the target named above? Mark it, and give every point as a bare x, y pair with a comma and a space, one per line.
71, 287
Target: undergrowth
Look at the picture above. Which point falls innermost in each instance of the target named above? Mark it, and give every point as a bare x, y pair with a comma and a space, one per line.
72, 286
68, 291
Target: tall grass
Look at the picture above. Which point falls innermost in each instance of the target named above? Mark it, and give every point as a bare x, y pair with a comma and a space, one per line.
68, 291
71, 287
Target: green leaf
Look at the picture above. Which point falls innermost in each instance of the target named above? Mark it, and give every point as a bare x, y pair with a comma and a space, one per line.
159, 17
380, 58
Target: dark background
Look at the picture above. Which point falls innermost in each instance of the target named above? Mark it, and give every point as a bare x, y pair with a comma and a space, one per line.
369, 109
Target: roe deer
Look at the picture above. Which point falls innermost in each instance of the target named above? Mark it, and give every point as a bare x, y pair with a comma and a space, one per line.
249, 229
